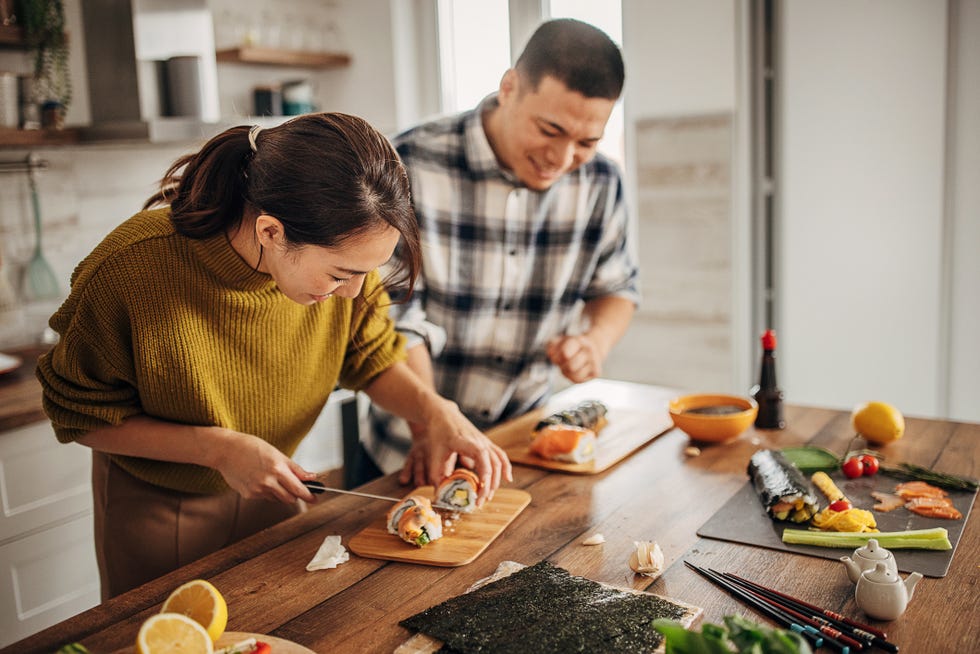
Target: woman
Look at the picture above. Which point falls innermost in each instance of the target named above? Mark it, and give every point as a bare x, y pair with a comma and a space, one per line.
202, 337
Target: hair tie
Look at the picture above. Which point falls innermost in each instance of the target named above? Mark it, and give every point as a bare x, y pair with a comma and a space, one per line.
253, 134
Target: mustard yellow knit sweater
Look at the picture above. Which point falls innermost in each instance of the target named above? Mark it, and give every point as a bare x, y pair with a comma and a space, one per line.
184, 330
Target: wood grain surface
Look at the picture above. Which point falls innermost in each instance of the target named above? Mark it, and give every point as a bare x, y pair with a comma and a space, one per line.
637, 414
657, 493
464, 539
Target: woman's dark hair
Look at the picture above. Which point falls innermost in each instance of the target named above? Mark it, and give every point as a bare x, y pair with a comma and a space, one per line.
579, 55
326, 177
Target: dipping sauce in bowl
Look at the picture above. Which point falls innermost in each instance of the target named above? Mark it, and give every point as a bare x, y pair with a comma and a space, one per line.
713, 418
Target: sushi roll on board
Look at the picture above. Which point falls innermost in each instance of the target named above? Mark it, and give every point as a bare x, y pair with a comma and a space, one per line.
569, 443
414, 521
590, 414
458, 491
783, 490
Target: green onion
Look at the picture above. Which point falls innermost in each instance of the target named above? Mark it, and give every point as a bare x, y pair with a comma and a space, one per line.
943, 479
922, 539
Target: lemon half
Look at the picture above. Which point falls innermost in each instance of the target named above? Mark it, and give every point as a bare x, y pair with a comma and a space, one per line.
878, 422
167, 633
200, 601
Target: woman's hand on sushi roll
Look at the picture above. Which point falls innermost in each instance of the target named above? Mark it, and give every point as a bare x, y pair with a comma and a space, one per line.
444, 439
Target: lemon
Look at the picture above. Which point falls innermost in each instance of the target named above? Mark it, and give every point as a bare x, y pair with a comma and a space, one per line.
202, 602
167, 633
878, 422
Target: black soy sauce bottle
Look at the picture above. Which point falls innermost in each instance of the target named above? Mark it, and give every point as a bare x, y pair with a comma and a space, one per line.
767, 393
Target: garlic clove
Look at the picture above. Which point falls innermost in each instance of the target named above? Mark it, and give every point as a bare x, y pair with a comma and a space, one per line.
594, 539
647, 559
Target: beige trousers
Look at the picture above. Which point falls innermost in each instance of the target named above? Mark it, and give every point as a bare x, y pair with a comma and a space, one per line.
144, 531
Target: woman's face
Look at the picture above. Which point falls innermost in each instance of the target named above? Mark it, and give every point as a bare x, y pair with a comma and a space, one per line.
309, 274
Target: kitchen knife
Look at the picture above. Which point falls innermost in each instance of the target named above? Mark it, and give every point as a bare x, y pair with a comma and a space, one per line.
317, 487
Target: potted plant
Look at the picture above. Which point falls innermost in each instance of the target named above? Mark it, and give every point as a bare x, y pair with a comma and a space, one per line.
43, 22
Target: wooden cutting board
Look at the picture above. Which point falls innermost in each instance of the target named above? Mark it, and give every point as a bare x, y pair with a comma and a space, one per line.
462, 541
637, 415
229, 638
423, 644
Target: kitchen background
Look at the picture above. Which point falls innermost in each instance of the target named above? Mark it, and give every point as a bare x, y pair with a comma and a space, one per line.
869, 271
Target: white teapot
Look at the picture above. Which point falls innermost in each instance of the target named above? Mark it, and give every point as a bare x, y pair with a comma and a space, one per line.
882, 594
865, 558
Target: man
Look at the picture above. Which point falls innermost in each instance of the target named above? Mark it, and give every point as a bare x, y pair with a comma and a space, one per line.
527, 267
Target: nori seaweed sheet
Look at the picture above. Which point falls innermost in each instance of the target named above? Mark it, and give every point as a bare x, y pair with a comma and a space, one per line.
543, 608
775, 477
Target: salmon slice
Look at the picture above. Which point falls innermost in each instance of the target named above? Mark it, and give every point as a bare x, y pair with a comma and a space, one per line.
565, 443
887, 501
928, 511
928, 502
912, 489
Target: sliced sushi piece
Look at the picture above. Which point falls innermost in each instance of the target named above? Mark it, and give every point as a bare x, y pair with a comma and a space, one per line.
458, 491
781, 487
590, 414
567, 443
395, 513
420, 525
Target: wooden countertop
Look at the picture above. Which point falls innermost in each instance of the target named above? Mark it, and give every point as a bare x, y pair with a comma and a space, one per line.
656, 494
20, 391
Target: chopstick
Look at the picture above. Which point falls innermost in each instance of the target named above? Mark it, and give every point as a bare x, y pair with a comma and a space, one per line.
863, 632
815, 633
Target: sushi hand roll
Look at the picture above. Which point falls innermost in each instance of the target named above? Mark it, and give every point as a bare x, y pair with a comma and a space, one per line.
590, 414
567, 443
458, 491
414, 521
781, 487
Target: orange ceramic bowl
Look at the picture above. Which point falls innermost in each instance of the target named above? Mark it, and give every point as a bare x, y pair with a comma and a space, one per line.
713, 418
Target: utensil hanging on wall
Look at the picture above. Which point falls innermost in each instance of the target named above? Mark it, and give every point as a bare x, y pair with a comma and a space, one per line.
8, 296
40, 281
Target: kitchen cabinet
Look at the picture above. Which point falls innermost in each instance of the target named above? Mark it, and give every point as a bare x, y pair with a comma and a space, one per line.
48, 570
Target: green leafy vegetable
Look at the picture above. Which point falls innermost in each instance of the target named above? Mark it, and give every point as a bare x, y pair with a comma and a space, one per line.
73, 648
746, 636
922, 539
810, 459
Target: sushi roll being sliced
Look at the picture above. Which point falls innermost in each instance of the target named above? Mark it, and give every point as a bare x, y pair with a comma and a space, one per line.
590, 414
414, 521
781, 487
568, 443
458, 491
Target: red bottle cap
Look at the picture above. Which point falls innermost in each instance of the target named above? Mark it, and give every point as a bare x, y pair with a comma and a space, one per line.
769, 340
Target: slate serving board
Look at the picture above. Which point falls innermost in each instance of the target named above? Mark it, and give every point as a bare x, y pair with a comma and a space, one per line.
461, 542
638, 414
743, 520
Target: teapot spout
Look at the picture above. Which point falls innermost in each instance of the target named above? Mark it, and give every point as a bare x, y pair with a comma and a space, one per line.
853, 570
911, 581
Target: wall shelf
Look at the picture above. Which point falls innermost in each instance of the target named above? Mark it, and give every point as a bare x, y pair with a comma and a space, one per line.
12, 37
278, 57
28, 138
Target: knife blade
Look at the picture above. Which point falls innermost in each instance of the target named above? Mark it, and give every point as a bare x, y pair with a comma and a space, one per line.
317, 487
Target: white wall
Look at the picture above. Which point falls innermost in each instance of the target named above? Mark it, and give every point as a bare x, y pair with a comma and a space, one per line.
861, 186
963, 239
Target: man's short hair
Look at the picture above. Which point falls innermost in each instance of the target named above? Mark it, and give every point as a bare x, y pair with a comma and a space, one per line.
577, 54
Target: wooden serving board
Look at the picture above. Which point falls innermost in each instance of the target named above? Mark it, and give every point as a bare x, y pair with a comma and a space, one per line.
229, 638
637, 415
423, 644
462, 541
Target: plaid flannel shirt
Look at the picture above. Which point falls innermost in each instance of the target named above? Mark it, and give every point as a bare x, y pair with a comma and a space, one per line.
505, 268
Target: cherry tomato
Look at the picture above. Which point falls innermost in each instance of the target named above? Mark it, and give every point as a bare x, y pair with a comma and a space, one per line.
853, 467
262, 648
840, 505
870, 464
